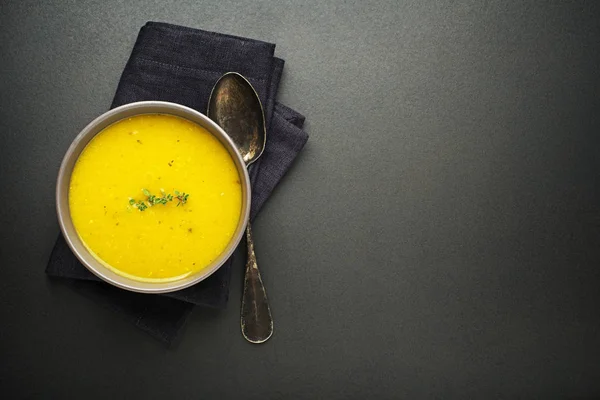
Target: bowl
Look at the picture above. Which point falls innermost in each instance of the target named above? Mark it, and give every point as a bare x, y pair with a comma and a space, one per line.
64, 178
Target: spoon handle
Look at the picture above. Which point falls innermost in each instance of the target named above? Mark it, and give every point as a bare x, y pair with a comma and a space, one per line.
257, 323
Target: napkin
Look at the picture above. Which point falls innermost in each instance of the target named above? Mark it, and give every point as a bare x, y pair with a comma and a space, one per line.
181, 65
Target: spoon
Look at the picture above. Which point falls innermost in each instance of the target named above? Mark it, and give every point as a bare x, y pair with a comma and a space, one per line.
234, 105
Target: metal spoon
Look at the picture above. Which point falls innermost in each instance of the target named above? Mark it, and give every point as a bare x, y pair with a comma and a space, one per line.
234, 105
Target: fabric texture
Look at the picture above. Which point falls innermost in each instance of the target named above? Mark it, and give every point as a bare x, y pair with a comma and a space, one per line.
181, 65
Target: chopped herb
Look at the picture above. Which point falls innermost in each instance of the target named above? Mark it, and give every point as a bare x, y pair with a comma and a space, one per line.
152, 200
181, 197
140, 205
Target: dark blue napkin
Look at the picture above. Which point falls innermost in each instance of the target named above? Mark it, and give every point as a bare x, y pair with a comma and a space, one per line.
181, 65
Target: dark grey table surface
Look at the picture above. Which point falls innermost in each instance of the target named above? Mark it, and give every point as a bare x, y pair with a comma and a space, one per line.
438, 237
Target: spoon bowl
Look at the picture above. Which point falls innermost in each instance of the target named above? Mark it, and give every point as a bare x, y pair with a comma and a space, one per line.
235, 106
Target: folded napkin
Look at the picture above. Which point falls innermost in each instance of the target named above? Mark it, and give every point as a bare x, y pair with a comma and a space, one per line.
181, 65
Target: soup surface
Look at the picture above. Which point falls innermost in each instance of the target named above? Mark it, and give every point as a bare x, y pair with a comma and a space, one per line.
128, 170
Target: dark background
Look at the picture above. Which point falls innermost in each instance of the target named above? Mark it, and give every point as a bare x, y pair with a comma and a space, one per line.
438, 237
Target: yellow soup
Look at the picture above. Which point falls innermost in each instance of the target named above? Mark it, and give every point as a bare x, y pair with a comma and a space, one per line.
155, 155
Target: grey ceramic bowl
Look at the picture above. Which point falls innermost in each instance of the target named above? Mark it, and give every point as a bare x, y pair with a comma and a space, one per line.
64, 178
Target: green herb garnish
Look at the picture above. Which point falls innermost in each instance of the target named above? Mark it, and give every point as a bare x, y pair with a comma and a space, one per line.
140, 205
152, 200
181, 197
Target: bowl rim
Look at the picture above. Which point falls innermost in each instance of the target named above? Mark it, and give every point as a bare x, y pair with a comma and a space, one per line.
77, 245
